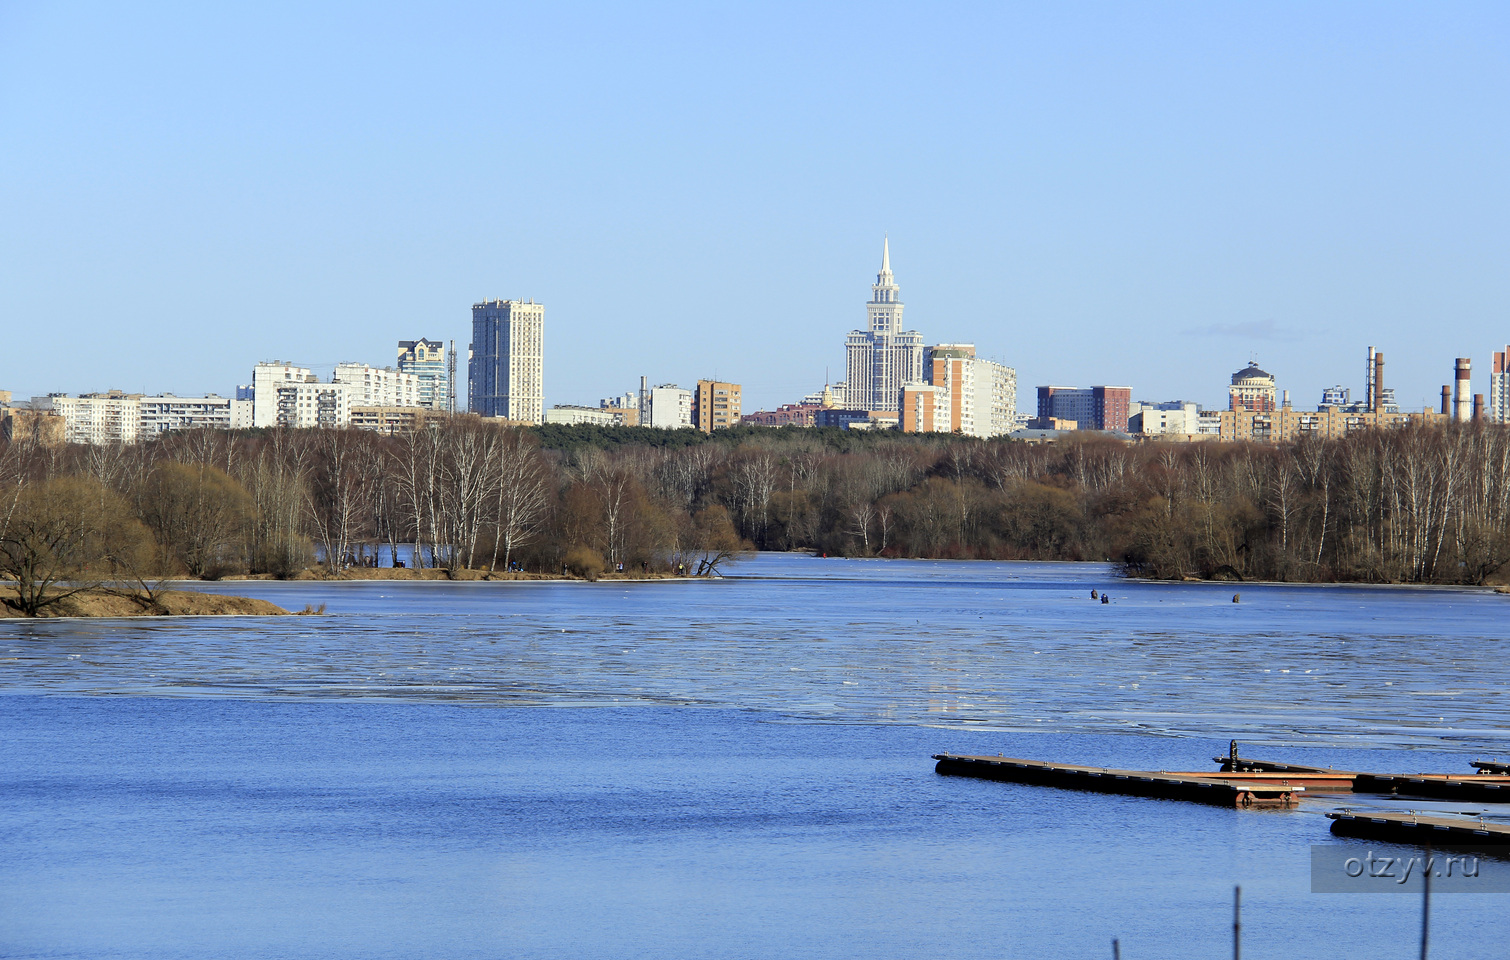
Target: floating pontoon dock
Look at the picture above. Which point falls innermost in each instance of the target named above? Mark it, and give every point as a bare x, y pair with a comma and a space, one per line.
1222, 790
1410, 828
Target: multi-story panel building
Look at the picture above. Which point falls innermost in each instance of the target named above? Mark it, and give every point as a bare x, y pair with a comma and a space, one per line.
978, 397
99, 418
1286, 424
427, 360
571, 414
167, 412
267, 378
670, 407
392, 420
1173, 418
1092, 408
506, 372
284, 395
715, 405
1499, 388
31, 424
379, 387
925, 408
879, 360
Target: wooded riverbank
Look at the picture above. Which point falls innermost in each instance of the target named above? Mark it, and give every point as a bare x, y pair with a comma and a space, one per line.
469, 499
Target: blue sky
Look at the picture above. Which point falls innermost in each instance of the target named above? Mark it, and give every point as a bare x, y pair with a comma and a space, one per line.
1141, 194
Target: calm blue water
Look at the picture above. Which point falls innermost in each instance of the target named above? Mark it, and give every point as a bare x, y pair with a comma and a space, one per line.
728, 769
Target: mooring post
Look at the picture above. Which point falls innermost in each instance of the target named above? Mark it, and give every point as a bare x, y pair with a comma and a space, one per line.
1426, 905
1237, 920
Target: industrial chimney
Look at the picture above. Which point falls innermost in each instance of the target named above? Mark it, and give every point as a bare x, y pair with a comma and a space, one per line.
1478, 407
1446, 400
1461, 398
1368, 381
1376, 401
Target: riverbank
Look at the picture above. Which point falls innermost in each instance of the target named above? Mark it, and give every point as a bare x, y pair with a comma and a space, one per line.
164, 603
428, 573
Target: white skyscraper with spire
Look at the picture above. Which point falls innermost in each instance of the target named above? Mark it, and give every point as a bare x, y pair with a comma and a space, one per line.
879, 360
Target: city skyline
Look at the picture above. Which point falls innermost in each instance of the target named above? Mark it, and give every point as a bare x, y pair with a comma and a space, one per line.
1147, 196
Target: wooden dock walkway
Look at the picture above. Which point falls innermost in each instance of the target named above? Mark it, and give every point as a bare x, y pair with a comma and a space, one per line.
1239, 790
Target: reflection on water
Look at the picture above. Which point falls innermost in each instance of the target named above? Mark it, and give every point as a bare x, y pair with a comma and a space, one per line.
1007, 645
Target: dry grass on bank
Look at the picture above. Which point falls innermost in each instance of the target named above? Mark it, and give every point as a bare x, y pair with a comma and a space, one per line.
166, 603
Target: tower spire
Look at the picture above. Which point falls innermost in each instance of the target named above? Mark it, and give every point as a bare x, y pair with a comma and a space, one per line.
886, 254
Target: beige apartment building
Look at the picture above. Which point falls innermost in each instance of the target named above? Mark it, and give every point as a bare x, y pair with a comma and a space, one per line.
715, 405
1286, 425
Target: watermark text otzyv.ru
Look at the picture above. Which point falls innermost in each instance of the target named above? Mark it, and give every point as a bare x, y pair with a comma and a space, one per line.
1349, 868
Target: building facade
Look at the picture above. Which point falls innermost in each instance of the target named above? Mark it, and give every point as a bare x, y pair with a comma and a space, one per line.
1498, 408
1172, 418
98, 418
506, 372
427, 361
715, 405
670, 407
1092, 408
284, 395
1287, 424
976, 398
370, 386
24, 424
786, 415
570, 414
167, 412
925, 408
1252, 389
879, 360
392, 420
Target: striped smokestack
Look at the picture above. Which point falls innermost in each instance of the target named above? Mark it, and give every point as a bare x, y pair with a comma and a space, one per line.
1368, 381
1461, 397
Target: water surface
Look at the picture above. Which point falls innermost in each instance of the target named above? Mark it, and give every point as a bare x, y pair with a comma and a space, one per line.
737, 768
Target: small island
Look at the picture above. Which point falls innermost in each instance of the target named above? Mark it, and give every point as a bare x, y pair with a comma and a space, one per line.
108, 602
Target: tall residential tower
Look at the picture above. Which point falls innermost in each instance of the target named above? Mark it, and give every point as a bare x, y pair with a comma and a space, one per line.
506, 373
879, 360
426, 359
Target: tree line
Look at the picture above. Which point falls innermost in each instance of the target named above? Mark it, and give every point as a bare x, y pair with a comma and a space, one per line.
1417, 504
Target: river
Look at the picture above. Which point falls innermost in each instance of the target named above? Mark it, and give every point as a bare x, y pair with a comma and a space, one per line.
731, 768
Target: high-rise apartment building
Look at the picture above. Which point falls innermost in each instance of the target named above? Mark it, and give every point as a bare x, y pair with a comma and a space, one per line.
670, 407
506, 371
1499, 388
426, 359
715, 405
976, 397
924, 409
284, 395
378, 387
882, 358
1092, 408
99, 418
